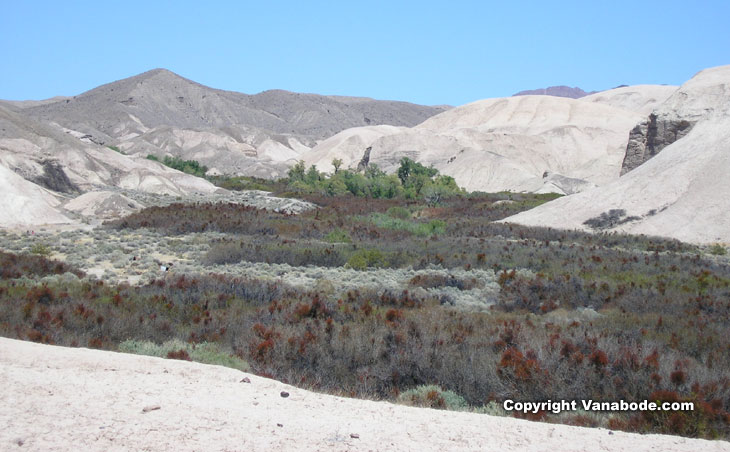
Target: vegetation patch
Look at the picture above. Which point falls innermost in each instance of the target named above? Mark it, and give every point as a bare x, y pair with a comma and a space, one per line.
349, 298
431, 396
385, 221
610, 219
205, 352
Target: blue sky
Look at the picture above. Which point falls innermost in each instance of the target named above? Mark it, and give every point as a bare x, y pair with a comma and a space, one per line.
424, 52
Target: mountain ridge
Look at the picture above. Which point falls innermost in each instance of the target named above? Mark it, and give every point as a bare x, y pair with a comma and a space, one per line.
557, 91
159, 112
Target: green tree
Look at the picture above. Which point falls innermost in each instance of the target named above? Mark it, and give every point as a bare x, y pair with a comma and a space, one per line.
313, 176
373, 171
355, 183
409, 168
414, 175
296, 172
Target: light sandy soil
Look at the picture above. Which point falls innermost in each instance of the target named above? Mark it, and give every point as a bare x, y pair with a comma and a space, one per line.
66, 399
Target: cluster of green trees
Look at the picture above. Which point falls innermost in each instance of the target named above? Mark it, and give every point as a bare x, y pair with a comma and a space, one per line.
186, 166
411, 181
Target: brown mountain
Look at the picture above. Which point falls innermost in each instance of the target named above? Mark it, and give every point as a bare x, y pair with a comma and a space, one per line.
557, 91
159, 112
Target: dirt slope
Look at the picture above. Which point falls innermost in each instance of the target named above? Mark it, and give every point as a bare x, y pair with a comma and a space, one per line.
65, 399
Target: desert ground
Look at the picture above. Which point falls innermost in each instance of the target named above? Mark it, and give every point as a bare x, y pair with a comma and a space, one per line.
64, 399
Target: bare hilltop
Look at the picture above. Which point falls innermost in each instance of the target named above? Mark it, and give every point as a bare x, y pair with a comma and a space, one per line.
159, 112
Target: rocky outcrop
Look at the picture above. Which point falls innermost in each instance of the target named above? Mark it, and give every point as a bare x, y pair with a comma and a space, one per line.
649, 137
54, 178
703, 97
365, 161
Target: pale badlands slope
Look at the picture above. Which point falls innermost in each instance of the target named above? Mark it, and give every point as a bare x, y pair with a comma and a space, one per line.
509, 143
682, 192
66, 399
26, 148
638, 98
25, 203
348, 146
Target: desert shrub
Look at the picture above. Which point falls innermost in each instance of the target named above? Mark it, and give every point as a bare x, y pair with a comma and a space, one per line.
295, 254
717, 250
541, 295
375, 344
41, 249
187, 218
399, 212
338, 235
610, 219
240, 183
431, 396
181, 354
365, 258
186, 166
492, 408
224, 253
205, 352
19, 265
434, 280
433, 227
706, 420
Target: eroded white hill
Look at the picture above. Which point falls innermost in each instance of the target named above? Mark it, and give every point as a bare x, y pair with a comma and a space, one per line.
680, 191
502, 144
44, 166
32, 149
25, 203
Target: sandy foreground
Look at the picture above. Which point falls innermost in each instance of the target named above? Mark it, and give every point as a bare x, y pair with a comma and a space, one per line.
71, 399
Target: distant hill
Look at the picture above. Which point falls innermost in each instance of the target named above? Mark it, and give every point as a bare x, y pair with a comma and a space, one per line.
675, 169
160, 97
159, 112
557, 91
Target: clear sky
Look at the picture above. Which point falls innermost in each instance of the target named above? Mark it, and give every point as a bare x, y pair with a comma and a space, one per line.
426, 52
